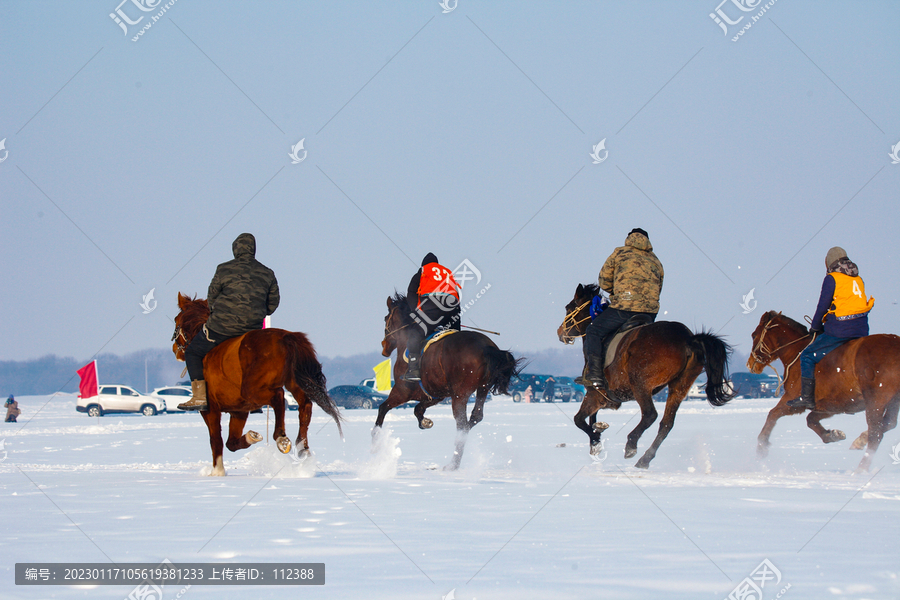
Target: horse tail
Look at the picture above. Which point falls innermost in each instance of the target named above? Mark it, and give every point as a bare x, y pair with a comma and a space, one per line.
502, 366
305, 368
713, 352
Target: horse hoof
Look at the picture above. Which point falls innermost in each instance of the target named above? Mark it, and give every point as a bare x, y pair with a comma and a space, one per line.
835, 435
426, 424
762, 451
629, 452
597, 448
643, 464
860, 442
284, 445
252, 437
601, 426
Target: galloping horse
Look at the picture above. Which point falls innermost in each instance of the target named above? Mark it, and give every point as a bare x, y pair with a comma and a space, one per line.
859, 375
249, 372
647, 359
454, 366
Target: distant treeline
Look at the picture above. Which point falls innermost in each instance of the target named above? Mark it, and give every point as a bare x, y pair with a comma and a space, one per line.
149, 369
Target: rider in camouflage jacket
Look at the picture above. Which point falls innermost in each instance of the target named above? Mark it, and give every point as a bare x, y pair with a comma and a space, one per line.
242, 293
633, 277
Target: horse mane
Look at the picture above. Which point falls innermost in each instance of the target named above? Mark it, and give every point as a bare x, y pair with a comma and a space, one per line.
194, 314
788, 322
592, 289
399, 298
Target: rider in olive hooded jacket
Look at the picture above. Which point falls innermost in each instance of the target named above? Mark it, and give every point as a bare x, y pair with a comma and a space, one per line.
242, 293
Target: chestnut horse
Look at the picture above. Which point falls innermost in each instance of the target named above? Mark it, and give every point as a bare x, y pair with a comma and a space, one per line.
648, 358
455, 366
251, 371
859, 375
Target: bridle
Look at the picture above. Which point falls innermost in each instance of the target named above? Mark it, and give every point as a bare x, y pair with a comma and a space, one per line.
179, 335
387, 333
569, 323
760, 346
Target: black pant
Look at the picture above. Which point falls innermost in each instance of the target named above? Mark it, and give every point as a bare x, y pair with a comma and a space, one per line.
427, 318
602, 328
197, 349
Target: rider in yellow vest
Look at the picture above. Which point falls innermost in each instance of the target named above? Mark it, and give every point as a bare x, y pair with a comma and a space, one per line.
841, 315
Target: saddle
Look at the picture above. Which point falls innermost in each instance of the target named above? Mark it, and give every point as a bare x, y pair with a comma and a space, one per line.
639, 320
434, 337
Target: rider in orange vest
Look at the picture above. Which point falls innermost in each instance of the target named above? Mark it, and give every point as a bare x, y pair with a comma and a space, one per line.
841, 315
433, 298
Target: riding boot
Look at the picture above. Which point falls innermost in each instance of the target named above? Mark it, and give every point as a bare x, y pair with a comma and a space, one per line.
198, 399
412, 372
595, 375
807, 397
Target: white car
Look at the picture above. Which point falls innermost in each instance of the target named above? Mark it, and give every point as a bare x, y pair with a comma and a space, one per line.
173, 395
119, 399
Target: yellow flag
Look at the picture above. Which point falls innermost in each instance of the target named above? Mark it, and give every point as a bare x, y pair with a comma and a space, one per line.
383, 376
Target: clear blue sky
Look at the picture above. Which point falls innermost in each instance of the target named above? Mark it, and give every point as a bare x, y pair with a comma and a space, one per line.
133, 165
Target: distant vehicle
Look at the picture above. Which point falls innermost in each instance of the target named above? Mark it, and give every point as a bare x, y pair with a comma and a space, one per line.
370, 383
469, 401
120, 399
751, 385
356, 396
578, 390
563, 392
290, 402
173, 395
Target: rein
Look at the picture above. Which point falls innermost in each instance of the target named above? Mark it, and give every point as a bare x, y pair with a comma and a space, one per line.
569, 323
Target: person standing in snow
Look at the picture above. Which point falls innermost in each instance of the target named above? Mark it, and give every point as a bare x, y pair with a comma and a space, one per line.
243, 292
633, 277
12, 409
841, 315
549, 389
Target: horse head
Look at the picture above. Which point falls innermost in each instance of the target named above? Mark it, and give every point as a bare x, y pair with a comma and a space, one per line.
395, 321
188, 322
578, 314
774, 333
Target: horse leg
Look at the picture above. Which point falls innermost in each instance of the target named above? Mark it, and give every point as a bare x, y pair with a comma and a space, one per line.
827, 435
888, 422
875, 419
462, 430
419, 412
478, 409
214, 424
236, 439
400, 393
304, 413
282, 441
677, 394
860, 442
779, 410
590, 404
648, 416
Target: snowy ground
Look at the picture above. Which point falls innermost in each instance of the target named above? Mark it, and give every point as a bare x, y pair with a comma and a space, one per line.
527, 516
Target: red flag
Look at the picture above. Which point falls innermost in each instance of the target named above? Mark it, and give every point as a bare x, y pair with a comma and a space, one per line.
88, 386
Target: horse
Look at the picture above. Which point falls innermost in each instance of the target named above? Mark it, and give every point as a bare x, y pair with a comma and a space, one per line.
251, 371
859, 375
455, 366
647, 359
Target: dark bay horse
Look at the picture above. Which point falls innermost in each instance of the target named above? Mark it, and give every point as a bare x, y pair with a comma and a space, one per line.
454, 366
649, 358
249, 372
862, 374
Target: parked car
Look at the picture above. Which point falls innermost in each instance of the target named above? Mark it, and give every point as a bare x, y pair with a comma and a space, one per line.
370, 383
563, 392
173, 395
120, 399
751, 385
578, 390
469, 401
356, 396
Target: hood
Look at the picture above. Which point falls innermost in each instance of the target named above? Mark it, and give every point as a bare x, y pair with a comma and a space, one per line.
244, 244
639, 241
429, 258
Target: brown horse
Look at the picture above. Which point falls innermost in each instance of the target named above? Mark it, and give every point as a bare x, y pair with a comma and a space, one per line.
859, 375
251, 371
454, 366
647, 359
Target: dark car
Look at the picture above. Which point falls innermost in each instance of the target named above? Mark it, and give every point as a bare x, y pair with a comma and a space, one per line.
356, 396
578, 390
564, 390
751, 385
469, 401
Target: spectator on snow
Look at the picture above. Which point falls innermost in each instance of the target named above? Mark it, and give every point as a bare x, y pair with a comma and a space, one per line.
12, 409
